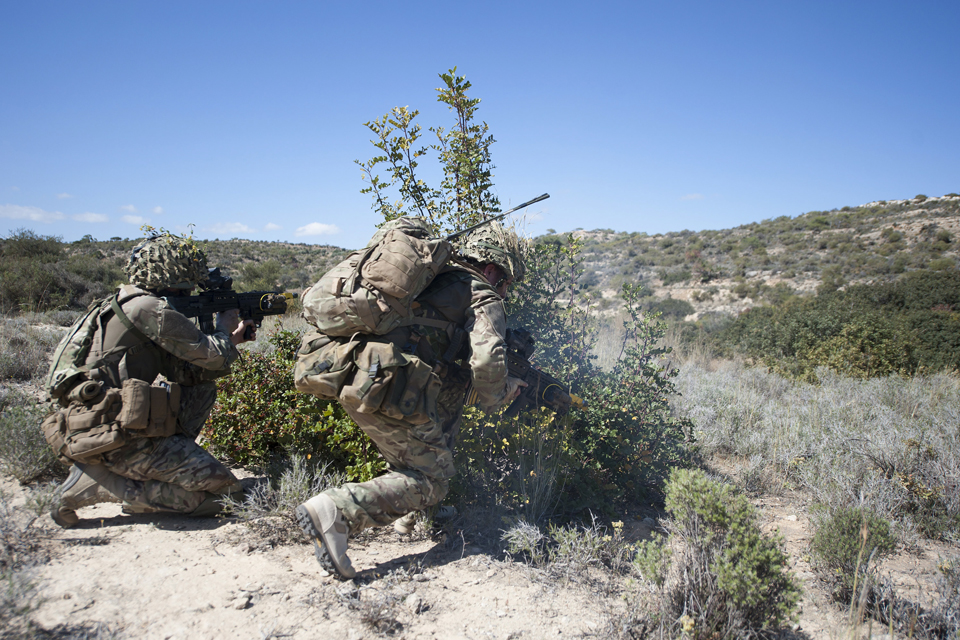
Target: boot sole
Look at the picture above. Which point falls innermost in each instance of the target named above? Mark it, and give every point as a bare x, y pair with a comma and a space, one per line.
75, 474
305, 521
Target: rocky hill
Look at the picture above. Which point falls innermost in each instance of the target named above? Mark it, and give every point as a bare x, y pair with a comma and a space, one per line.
690, 274
730, 270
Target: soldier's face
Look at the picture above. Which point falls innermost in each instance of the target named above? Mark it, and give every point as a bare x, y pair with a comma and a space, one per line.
497, 278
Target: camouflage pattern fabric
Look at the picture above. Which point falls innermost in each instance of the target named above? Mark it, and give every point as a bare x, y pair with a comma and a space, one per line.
196, 403
169, 474
492, 243
420, 459
421, 456
177, 350
166, 261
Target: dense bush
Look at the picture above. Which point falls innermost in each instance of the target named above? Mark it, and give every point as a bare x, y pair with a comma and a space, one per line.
24, 349
259, 414
903, 327
24, 453
847, 546
36, 274
716, 576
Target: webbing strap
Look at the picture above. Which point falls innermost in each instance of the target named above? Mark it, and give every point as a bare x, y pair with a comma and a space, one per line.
427, 322
117, 311
134, 349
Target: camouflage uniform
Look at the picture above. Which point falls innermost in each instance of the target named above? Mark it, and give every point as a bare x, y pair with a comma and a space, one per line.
421, 456
167, 473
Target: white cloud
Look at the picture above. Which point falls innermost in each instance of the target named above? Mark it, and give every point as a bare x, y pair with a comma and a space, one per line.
14, 188
34, 214
90, 217
692, 196
137, 220
227, 228
271, 227
128, 207
64, 196
317, 229
158, 210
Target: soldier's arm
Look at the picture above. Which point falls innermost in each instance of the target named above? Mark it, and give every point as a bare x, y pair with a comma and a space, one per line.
178, 335
486, 326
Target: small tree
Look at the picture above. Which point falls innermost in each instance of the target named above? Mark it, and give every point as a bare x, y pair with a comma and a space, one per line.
626, 434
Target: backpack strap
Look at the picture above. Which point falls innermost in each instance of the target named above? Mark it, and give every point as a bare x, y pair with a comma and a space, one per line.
426, 322
128, 324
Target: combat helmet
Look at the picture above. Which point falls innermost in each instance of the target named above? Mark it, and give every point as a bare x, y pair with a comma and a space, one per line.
491, 243
166, 261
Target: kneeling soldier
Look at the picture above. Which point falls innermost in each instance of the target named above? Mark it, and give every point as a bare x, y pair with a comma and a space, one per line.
131, 416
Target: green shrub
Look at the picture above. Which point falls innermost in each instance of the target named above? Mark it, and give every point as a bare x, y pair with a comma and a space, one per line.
725, 579
865, 331
670, 308
24, 349
24, 452
259, 414
847, 545
674, 277
291, 481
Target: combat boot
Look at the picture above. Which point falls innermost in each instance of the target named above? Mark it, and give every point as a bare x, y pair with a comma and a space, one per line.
325, 525
80, 490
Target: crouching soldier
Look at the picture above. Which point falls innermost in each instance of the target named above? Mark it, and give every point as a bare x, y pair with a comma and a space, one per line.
406, 389
135, 380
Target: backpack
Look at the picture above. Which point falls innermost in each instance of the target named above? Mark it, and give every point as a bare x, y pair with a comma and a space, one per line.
69, 360
372, 290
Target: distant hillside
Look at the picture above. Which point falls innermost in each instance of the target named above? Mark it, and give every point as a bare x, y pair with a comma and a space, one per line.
695, 273
730, 270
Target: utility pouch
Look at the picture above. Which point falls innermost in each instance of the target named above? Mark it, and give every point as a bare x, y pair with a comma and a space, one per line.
394, 384
323, 365
54, 428
150, 410
164, 408
84, 430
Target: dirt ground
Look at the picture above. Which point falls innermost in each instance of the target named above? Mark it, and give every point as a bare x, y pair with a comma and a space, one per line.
171, 577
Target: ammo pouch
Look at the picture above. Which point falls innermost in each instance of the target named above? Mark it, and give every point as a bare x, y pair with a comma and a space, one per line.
85, 429
368, 377
150, 410
96, 421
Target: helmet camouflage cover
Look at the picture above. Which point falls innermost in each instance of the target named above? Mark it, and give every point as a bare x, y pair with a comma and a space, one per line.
166, 261
493, 244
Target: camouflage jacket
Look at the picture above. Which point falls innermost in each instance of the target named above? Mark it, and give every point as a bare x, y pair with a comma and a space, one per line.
177, 350
478, 331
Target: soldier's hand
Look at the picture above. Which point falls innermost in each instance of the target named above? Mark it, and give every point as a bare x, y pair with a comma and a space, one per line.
514, 385
239, 334
227, 321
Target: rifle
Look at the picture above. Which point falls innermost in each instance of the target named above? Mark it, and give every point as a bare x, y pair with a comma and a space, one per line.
454, 236
217, 295
542, 390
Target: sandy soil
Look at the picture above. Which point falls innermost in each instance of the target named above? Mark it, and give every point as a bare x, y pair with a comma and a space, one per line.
171, 577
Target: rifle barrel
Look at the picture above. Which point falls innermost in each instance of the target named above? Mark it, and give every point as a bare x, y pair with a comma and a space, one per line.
454, 236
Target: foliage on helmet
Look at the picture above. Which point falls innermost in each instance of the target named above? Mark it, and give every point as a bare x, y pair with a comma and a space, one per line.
166, 261
493, 244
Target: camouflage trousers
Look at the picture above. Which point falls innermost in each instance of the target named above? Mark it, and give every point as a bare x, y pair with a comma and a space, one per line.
174, 473
420, 459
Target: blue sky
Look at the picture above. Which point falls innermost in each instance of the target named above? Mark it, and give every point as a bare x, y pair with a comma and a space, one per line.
244, 118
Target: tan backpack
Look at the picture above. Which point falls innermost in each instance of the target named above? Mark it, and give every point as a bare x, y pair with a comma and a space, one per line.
372, 290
